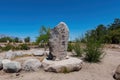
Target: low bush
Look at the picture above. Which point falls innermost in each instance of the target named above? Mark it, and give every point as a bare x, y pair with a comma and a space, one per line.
8, 47
24, 47
94, 50
77, 48
70, 47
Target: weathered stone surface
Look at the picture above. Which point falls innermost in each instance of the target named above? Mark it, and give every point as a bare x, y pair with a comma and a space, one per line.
117, 73
5, 61
1, 65
9, 55
12, 67
38, 53
63, 66
18, 53
32, 65
58, 41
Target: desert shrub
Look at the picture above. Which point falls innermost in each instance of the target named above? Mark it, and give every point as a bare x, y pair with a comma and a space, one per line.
41, 45
70, 47
24, 47
94, 50
8, 47
77, 48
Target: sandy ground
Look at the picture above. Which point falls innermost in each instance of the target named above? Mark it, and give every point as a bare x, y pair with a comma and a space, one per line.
95, 71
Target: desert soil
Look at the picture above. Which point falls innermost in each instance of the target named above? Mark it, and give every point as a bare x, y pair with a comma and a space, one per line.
95, 71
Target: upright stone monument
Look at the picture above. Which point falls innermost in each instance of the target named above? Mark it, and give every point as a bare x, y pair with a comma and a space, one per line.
58, 41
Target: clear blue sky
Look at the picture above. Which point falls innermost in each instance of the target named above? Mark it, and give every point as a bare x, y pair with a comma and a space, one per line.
24, 17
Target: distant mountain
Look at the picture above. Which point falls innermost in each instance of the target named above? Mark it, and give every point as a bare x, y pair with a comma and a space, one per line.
3, 35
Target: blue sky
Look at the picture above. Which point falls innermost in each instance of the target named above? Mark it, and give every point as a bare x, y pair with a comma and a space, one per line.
25, 17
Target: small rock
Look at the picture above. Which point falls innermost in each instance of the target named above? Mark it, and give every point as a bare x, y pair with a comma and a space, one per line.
63, 66
17, 74
32, 65
12, 67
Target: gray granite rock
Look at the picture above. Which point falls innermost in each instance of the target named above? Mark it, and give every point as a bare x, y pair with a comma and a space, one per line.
12, 67
10, 55
1, 65
117, 73
31, 65
38, 53
62, 66
58, 41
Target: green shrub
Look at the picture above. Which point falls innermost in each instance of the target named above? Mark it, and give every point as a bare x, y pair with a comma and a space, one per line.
70, 47
77, 48
7, 47
24, 47
94, 50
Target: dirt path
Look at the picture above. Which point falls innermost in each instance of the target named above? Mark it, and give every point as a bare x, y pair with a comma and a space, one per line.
96, 71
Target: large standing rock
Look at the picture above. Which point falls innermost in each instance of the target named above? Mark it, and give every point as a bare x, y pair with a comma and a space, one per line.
1, 65
117, 73
12, 67
58, 41
63, 66
32, 65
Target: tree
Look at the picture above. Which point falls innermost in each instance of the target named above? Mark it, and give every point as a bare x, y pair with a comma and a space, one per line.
16, 39
5, 39
27, 39
44, 36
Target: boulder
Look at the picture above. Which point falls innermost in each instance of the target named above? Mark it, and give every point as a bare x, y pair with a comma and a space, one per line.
10, 54
12, 67
38, 53
5, 61
31, 65
63, 66
116, 75
18, 53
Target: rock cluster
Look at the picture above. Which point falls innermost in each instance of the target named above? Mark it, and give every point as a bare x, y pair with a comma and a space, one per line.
14, 66
59, 62
12, 54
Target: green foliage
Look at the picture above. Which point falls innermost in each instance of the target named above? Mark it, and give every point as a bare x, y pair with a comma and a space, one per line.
70, 46
94, 50
11, 47
27, 39
107, 34
16, 40
24, 47
8, 47
44, 37
77, 48
5, 39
